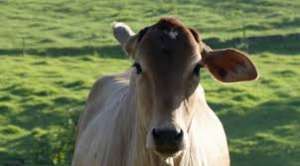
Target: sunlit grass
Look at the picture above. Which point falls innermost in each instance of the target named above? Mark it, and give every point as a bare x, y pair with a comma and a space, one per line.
53, 51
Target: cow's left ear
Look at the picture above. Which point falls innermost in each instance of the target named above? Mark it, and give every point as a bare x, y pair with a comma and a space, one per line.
229, 65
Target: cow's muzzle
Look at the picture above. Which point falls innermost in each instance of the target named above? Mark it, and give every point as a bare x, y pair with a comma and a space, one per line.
168, 141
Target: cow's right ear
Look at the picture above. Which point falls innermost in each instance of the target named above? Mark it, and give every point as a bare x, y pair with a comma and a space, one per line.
130, 45
125, 36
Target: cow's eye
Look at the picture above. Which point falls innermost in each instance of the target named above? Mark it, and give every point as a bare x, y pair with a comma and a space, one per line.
196, 70
137, 67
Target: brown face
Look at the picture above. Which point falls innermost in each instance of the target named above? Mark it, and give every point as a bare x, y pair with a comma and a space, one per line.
167, 59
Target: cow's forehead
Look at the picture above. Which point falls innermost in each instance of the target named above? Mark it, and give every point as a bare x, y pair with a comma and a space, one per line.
168, 43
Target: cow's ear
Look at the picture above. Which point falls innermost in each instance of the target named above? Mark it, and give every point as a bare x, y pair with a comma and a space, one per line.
229, 65
130, 46
125, 36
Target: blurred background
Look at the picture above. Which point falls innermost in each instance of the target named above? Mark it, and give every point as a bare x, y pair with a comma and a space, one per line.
51, 52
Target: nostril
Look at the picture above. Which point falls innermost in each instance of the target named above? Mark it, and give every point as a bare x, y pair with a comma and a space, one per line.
155, 134
179, 136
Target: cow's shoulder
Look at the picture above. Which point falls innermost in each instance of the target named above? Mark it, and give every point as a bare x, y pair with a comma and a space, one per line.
104, 89
106, 86
99, 86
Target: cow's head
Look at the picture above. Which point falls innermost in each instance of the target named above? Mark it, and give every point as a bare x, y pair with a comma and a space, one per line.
168, 58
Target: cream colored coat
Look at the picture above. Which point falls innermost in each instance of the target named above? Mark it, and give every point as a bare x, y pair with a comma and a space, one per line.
109, 132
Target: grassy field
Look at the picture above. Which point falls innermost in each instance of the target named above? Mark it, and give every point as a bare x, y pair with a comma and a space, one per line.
51, 52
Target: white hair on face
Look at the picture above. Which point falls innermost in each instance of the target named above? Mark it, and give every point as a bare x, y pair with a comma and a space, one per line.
172, 33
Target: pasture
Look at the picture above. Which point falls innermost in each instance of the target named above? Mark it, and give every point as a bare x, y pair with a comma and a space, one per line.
51, 52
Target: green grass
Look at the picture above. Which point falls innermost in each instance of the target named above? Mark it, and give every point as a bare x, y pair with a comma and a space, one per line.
51, 52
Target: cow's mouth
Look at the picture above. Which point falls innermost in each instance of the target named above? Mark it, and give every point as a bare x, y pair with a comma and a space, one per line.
168, 151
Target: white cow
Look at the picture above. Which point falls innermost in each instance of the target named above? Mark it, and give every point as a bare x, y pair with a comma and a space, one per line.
156, 113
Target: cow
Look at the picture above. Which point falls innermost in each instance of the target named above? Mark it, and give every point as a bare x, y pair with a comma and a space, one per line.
156, 114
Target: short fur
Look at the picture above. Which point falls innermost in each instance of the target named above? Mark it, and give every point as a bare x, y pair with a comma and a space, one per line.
120, 110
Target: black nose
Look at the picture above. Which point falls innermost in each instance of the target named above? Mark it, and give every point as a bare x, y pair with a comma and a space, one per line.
167, 137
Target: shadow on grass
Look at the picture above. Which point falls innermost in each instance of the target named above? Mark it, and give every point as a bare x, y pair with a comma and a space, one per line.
39, 132
44, 114
53, 146
260, 130
278, 44
109, 51
41, 148
263, 117
284, 23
